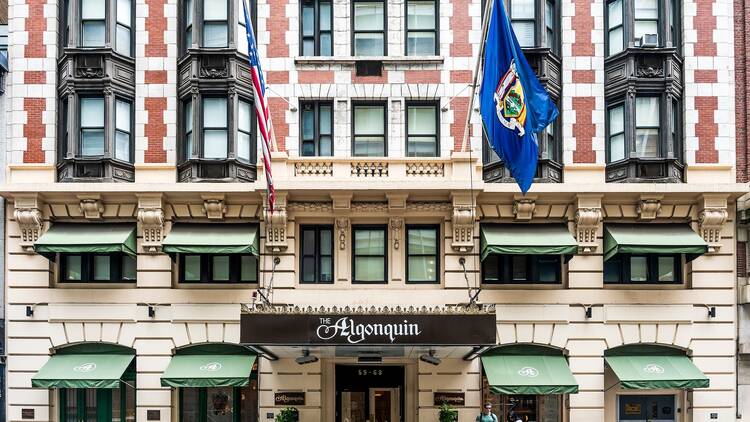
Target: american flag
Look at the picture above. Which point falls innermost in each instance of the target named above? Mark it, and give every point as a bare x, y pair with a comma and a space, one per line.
261, 105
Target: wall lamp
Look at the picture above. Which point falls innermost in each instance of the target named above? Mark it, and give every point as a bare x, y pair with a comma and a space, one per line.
430, 358
712, 312
151, 311
29, 310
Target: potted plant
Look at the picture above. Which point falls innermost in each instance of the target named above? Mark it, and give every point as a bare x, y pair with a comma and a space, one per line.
288, 414
448, 413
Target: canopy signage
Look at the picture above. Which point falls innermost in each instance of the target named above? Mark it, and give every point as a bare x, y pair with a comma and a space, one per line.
347, 330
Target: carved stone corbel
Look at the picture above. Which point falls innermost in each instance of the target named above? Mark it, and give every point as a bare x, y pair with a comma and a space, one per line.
342, 226
523, 208
151, 218
711, 219
648, 207
396, 224
214, 206
463, 228
276, 228
91, 206
29, 218
587, 225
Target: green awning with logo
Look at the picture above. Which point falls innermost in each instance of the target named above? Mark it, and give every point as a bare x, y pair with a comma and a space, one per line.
82, 371
208, 370
644, 372
527, 239
212, 239
529, 372
653, 238
87, 238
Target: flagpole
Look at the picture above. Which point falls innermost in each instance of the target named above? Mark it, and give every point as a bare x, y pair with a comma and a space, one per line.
485, 27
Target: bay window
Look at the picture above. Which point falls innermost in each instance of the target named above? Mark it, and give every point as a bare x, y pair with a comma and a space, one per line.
369, 130
422, 130
522, 16
316, 133
124, 28
123, 130
215, 127
91, 116
215, 23
641, 24
369, 254
316, 28
369, 28
422, 21
93, 23
99, 24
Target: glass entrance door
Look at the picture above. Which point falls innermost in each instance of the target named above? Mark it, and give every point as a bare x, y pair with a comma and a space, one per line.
656, 408
384, 405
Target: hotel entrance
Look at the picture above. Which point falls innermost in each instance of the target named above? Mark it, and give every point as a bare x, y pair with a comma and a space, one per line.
369, 393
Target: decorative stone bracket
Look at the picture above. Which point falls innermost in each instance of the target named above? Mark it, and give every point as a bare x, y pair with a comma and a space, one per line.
29, 219
151, 218
587, 225
396, 224
91, 206
464, 217
711, 219
214, 206
342, 226
276, 228
648, 207
523, 208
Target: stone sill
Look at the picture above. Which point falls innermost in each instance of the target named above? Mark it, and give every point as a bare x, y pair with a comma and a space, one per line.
385, 59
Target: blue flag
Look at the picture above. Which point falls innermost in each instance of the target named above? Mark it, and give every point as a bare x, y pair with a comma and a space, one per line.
514, 105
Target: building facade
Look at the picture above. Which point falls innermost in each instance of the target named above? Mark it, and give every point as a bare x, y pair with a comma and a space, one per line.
401, 268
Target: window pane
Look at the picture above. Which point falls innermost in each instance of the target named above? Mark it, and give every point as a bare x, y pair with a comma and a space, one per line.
122, 146
90, 405
326, 147
422, 146
308, 269
615, 41
369, 146
215, 10
422, 120
489, 268
215, 112
645, 27
308, 21
123, 40
547, 268
243, 146
369, 242
245, 116
101, 268
326, 236
190, 404
549, 15
308, 149
612, 268
192, 268
308, 242
188, 38
422, 268
308, 124
420, 44
666, 269
189, 116
93, 33
522, 9
215, 34
326, 44
215, 144
308, 47
92, 112
519, 267
368, 44
421, 14
422, 241
614, 10
647, 111
616, 119
647, 142
122, 115
220, 406
124, 12
116, 405
325, 114
326, 269
524, 32
188, 12
324, 9
368, 16
93, 9
369, 120
638, 268
369, 268
220, 268
646, 9
92, 142
73, 267
128, 267
248, 268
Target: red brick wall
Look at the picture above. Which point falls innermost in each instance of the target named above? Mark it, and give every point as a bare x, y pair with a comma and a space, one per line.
315, 76
741, 20
155, 76
422, 76
33, 130
704, 23
706, 130
460, 23
156, 24
155, 130
278, 108
460, 106
277, 25
583, 23
36, 24
584, 130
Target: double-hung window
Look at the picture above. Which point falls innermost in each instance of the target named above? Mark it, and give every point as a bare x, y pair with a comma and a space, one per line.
215, 127
92, 126
523, 19
369, 28
422, 130
124, 28
217, 268
422, 254
616, 132
93, 23
550, 26
244, 131
369, 138
123, 130
317, 28
647, 127
643, 269
215, 23
635, 129
615, 27
97, 268
646, 19
370, 254
422, 19
189, 16
188, 120
316, 254
317, 129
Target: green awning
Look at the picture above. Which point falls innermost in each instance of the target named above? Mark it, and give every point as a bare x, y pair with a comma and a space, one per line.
527, 239
653, 238
212, 239
208, 371
82, 371
643, 372
529, 374
87, 238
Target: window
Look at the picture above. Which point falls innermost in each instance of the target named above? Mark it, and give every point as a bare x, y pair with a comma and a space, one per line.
317, 129
615, 28
422, 254
369, 130
244, 131
646, 18
189, 16
102, 404
522, 15
188, 119
550, 26
647, 126
93, 23
645, 139
123, 130
317, 28
316, 254
370, 259
97, 268
208, 268
422, 27
92, 126
215, 24
522, 269
422, 130
646, 407
124, 31
540, 408
642, 24
616, 135
643, 269
368, 31
214, 127
220, 404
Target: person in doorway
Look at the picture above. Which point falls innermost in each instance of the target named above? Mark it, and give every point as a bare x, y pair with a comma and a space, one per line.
487, 415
